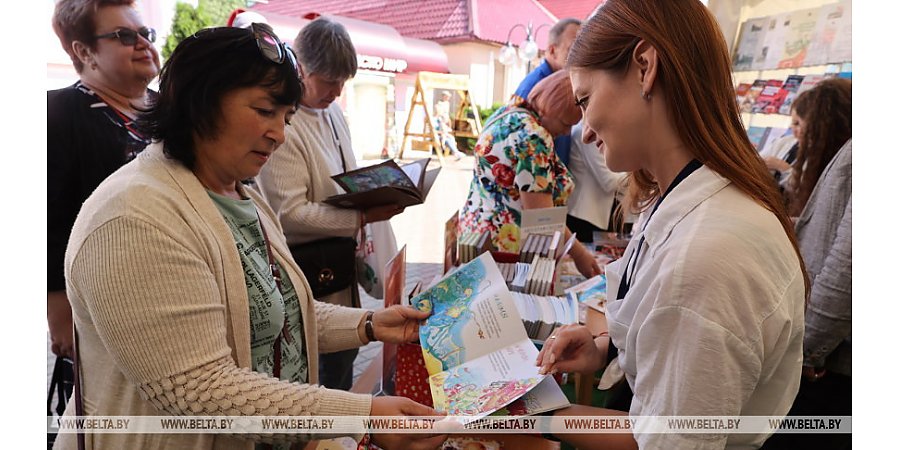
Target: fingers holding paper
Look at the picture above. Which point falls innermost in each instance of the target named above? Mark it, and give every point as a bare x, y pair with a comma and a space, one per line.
572, 349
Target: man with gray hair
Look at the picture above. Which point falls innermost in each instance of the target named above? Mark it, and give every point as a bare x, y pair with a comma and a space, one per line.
297, 178
560, 37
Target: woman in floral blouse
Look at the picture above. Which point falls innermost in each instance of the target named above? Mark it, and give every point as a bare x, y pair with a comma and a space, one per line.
516, 167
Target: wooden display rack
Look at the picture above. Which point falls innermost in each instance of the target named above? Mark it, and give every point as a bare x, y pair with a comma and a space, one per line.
462, 126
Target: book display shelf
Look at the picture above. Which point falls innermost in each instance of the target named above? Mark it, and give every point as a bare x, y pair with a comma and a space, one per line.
779, 53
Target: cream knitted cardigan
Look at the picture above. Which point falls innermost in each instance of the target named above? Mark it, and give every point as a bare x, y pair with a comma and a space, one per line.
297, 179
159, 299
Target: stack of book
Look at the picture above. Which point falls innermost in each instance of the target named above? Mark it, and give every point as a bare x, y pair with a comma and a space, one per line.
542, 315
536, 277
473, 244
543, 245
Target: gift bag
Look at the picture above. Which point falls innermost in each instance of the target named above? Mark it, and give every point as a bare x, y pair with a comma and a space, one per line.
376, 247
411, 378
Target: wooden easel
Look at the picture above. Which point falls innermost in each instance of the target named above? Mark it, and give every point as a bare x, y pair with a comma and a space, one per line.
462, 126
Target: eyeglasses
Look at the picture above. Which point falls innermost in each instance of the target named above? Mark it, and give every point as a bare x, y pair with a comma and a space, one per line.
273, 49
129, 37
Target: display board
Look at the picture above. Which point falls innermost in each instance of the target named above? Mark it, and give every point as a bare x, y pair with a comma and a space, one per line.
805, 37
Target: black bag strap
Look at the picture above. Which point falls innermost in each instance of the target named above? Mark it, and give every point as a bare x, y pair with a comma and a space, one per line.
76, 371
337, 140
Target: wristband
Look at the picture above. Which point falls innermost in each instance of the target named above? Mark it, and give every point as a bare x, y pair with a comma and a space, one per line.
370, 327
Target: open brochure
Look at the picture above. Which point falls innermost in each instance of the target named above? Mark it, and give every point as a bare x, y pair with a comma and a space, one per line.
384, 184
476, 349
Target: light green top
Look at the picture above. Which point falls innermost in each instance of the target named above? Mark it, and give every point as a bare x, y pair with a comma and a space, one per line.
267, 304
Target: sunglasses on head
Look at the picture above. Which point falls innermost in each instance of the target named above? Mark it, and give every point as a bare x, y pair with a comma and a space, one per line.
273, 49
129, 37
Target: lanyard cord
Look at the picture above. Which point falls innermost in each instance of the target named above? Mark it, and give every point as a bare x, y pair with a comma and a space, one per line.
635, 256
276, 275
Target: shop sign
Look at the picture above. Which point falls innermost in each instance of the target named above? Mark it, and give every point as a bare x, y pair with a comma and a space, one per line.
382, 64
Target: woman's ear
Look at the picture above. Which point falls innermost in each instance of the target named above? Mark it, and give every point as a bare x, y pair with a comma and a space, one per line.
83, 53
647, 61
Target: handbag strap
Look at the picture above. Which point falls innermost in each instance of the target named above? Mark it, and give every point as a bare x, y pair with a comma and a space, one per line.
76, 369
337, 140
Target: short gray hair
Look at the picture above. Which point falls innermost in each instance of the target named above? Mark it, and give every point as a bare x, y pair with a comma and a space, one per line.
324, 47
559, 28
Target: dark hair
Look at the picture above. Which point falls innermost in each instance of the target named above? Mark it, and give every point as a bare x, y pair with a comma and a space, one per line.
559, 28
827, 112
198, 74
694, 74
324, 47
73, 20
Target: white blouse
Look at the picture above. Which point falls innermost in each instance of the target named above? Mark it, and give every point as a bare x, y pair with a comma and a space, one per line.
713, 321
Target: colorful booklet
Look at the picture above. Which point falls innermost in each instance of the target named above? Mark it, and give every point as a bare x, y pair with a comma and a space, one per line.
789, 93
752, 94
589, 294
767, 97
476, 349
384, 184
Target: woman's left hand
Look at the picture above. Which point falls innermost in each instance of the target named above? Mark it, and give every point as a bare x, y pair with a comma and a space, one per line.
398, 324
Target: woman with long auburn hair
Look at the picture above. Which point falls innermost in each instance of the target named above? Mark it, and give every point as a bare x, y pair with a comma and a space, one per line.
824, 117
706, 306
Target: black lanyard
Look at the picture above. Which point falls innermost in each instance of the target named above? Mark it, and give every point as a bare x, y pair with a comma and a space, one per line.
625, 285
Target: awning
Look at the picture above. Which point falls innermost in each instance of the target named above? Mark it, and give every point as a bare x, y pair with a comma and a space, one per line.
378, 47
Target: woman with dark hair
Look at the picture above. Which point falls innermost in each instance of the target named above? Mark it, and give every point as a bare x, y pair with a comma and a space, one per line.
185, 298
705, 308
824, 117
90, 125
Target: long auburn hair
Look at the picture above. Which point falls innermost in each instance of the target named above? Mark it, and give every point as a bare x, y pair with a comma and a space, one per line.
827, 113
694, 76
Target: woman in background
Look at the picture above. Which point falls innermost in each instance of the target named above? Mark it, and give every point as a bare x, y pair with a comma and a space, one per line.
516, 168
822, 119
90, 125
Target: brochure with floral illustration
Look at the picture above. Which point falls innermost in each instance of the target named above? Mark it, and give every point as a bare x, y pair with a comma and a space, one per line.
384, 184
475, 346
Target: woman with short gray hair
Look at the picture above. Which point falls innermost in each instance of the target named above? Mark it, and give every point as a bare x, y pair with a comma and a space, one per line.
297, 179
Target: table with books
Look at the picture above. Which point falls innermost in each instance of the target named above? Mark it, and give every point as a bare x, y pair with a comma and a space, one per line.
491, 313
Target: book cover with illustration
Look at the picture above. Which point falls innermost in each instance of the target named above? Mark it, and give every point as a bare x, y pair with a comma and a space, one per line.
755, 89
384, 184
767, 97
757, 136
798, 38
740, 93
752, 33
589, 294
475, 345
770, 51
788, 93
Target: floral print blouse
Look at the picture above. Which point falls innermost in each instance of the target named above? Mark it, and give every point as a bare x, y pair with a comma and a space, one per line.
514, 154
